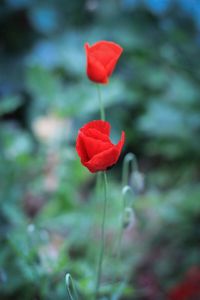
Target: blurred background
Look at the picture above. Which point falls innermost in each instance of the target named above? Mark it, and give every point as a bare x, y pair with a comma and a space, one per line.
50, 208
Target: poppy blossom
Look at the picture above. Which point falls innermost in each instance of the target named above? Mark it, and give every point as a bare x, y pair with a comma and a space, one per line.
101, 60
94, 147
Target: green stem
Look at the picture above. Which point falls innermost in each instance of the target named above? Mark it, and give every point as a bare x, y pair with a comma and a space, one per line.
102, 236
129, 162
71, 290
120, 236
102, 112
125, 190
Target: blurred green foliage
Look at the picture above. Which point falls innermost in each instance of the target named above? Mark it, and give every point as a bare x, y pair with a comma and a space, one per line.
50, 210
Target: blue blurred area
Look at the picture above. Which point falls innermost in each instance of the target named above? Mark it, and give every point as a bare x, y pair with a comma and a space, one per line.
191, 7
45, 19
158, 6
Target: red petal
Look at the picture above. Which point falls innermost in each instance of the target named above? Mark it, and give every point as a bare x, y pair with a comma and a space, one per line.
105, 45
102, 126
80, 148
95, 134
101, 60
105, 159
94, 147
102, 161
96, 71
110, 66
105, 51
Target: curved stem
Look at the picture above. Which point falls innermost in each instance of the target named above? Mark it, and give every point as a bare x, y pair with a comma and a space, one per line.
131, 160
125, 190
71, 290
129, 165
102, 112
102, 236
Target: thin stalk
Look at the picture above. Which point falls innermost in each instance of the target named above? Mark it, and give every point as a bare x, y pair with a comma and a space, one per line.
99, 271
129, 162
102, 111
71, 289
121, 230
125, 190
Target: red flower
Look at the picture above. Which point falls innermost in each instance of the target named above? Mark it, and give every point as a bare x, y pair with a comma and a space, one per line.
101, 60
189, 288
94, 147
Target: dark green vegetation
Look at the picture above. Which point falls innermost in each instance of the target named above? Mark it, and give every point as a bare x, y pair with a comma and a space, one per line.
49, 208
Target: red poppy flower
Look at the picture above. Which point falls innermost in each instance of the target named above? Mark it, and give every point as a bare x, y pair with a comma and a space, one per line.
101, 60
94, 147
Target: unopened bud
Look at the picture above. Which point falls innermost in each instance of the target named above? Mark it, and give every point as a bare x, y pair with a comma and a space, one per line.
129, 218
137, 181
